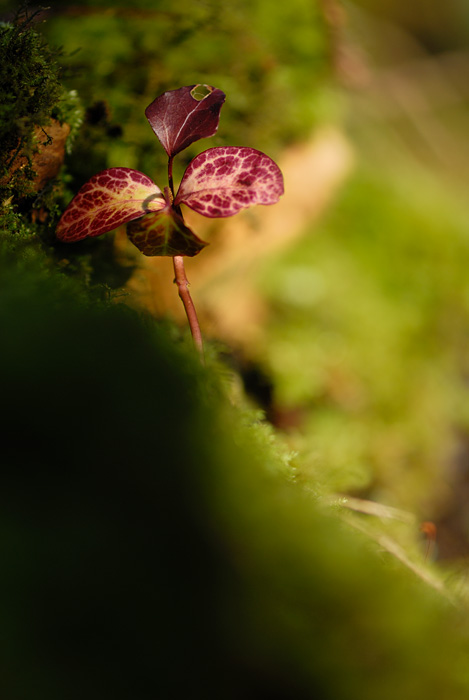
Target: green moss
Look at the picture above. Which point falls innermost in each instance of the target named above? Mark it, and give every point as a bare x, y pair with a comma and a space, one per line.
32, 99
30, 85
32, 95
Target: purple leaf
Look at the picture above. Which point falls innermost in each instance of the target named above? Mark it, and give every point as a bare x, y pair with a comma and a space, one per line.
109, 199
179, 119
221, 181
164, 233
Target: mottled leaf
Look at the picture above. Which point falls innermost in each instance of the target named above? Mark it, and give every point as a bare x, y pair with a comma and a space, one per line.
178, 118
109, 199
164, 233
221, 181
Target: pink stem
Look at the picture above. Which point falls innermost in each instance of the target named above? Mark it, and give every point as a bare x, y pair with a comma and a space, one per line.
184, 295
182, 282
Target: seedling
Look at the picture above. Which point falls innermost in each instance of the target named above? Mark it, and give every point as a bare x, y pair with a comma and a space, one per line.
217, 183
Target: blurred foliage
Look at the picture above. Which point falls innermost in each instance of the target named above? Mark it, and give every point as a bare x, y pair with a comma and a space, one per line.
436, 25
366, 346
271, 77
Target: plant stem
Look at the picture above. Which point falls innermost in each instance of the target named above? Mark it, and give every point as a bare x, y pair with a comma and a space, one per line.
184, 295
170, 175
182, 282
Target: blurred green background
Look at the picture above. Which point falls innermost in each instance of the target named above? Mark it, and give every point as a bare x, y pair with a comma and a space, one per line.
354, 383
369, 329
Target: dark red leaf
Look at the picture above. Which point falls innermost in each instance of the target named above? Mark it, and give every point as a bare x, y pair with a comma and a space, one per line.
111, 198
179, 119
221, 181
164, 233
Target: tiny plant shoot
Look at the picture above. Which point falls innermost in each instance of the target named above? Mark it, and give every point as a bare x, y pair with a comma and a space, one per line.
217, 183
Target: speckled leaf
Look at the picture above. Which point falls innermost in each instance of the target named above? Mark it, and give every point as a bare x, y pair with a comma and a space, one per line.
179, 119
221, 181
164, 233
109, 199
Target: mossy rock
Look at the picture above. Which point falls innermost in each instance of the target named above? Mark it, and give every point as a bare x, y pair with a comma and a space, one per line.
34, 111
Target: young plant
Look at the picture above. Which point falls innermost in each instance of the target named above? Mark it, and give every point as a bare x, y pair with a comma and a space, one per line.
217, 183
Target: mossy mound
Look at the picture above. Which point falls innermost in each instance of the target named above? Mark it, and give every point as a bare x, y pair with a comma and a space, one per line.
155, 544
